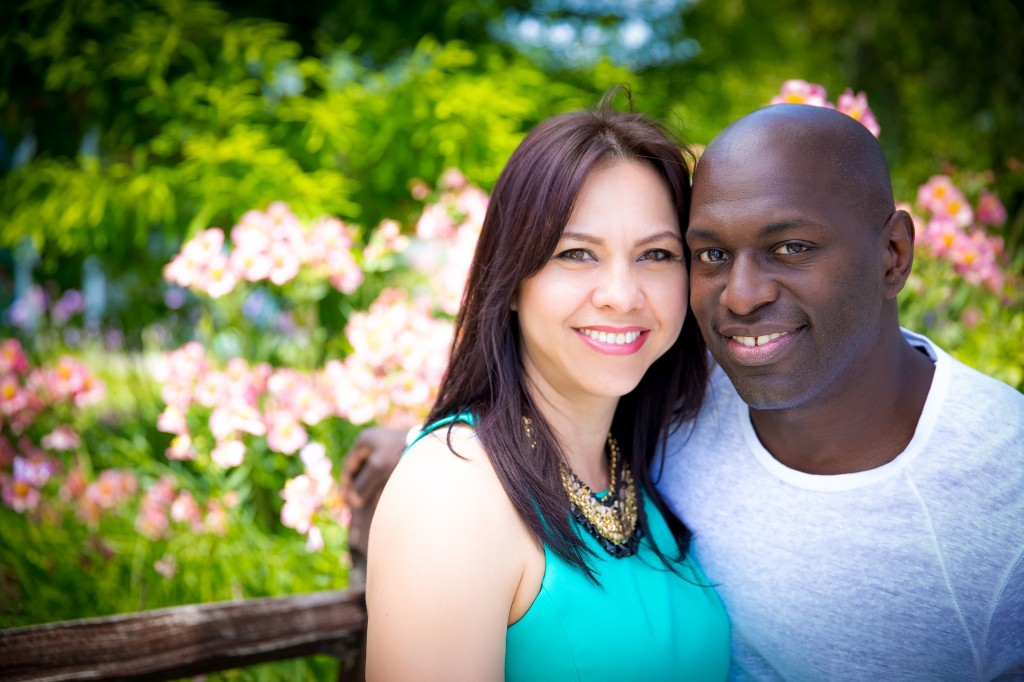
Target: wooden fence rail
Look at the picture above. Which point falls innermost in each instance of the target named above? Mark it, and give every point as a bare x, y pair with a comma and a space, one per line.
176, 642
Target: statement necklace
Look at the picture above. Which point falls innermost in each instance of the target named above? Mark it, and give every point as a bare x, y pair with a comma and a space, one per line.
611, 518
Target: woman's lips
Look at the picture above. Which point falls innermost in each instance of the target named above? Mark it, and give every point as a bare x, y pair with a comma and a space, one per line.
614, 341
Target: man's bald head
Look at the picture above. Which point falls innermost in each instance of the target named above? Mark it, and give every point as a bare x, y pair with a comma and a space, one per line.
806, 145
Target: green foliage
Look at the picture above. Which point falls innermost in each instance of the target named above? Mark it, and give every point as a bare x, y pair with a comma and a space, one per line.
200, 116
976, 326
154, 119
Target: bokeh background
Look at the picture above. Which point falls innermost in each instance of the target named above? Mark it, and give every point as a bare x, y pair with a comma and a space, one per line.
233, 233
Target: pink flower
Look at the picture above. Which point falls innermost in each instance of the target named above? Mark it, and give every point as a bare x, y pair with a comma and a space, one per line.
12, 397
152, 520
219, 277
182, 365
990, 210
344, 273
189, 267
111, 488
216, 520
278, 214
971, 317
309, 403
18, 494
956, 209
386, 240
435, 222
250, 264
61, 438
452, 179
12, 357
472, 202
301, 502
184, 509
856, 107
166, 566
797, 91
314, 540
936, 193
318, 467
211, 389
67, 378
395, 343
284, 433
205, 245
939, 236
172, 420
74, 485
284, 263
181, 447
419, 190
163, 491
228, 453
327, 235
252, 234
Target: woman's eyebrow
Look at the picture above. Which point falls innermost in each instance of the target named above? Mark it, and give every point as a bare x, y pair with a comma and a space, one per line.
658, 236
591, 239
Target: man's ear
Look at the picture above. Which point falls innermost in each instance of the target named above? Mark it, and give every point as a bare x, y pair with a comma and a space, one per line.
898, 242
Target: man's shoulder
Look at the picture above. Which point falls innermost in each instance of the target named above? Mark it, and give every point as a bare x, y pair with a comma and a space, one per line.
973, 412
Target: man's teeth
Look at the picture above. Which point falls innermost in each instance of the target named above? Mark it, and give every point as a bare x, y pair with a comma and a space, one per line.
752, 341
611, 337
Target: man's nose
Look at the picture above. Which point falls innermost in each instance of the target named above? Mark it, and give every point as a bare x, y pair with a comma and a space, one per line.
749, 287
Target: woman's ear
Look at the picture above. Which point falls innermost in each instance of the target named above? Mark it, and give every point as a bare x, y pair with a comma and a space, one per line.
898, 237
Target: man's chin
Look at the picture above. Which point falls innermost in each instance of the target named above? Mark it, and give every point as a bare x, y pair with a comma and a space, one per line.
773, 391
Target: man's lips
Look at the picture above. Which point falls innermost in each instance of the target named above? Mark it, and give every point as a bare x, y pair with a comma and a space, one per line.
761, 340
755, 347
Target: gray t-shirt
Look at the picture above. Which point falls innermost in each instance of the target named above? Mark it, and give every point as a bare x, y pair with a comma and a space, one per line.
911, 571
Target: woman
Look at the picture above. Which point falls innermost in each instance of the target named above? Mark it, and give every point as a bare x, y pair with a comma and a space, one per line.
490, 555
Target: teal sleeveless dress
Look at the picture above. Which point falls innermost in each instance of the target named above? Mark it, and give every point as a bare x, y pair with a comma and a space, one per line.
642, 622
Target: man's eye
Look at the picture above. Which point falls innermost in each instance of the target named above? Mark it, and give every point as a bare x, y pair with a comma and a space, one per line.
658, 255
791, 249
712, 256
575, 254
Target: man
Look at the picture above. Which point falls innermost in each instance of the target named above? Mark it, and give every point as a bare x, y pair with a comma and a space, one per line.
857, 496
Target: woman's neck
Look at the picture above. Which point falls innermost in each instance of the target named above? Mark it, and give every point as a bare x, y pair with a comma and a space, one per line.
582, 433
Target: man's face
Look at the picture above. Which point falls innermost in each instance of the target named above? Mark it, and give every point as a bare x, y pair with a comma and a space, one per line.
786, 278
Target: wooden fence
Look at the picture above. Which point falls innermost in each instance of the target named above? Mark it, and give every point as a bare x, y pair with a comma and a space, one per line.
165, 644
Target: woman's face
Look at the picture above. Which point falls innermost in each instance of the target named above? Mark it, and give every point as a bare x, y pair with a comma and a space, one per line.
612, 297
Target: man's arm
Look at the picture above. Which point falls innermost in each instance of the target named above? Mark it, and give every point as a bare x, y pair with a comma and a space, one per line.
365, 470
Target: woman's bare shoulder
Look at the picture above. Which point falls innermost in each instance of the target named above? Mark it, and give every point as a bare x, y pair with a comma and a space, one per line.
446, 554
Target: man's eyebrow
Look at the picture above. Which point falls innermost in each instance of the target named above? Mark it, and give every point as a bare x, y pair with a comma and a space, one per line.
590, 239
769, 230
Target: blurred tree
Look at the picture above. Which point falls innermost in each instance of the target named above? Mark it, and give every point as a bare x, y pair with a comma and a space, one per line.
129, 124
945, 78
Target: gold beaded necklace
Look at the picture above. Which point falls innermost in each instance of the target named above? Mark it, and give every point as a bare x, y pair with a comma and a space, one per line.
610, 518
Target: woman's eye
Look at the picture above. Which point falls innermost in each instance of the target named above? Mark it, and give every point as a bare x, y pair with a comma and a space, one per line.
575, 254
711, 255
658, 255
791, 249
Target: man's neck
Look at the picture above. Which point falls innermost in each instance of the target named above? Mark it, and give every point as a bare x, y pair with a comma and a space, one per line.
862, 427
